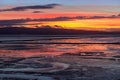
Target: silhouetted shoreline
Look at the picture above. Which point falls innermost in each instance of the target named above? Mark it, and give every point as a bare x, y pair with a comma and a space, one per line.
52, 31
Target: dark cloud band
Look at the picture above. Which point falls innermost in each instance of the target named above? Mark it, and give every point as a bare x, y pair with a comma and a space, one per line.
23, 8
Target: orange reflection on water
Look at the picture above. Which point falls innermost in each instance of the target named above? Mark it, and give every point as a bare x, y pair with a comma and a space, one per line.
27, 50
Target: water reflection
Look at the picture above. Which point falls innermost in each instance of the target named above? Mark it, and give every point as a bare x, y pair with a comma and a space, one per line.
20, 48
28, 50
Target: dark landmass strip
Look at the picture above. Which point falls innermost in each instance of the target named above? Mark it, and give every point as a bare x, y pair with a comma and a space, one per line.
51, 31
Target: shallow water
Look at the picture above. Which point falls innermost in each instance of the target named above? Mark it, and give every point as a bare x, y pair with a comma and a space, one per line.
68, 56
32, 45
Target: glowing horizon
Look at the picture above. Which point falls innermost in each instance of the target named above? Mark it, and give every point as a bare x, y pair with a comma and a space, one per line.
13, 9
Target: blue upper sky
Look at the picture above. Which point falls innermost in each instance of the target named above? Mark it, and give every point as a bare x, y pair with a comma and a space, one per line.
64, 2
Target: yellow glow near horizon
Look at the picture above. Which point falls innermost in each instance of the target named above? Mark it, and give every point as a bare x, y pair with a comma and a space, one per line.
88, 23
94, 24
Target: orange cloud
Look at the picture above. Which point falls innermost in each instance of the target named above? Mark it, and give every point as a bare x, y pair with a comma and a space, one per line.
95, 22
16, 15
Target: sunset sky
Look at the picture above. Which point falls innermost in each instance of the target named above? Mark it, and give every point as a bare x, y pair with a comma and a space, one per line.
71, 14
